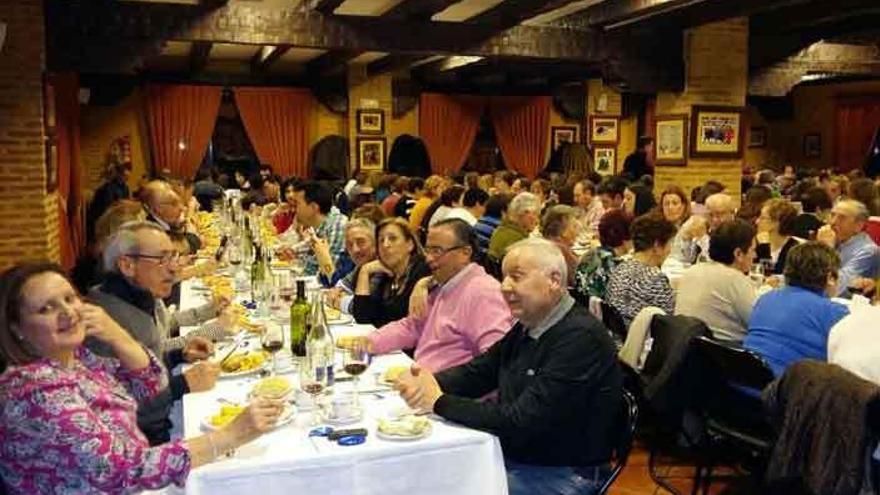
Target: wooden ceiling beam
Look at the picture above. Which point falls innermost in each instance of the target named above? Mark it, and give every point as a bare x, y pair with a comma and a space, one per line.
327, 7
510, 13
199, 54
330, 62
266, 56
392, 63
421, 10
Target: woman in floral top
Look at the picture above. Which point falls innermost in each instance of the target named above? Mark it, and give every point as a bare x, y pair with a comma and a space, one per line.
591, 276
67, 420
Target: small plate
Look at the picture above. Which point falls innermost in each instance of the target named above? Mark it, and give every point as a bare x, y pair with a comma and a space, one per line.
285, 418
404, 438
344, 421
341, 320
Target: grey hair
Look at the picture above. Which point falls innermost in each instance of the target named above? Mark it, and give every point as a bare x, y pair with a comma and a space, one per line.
524, 202
124, 241
556, 219
547, 253
858, 207
362, 223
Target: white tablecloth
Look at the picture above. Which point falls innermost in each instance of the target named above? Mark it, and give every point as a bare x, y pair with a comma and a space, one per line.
452, 460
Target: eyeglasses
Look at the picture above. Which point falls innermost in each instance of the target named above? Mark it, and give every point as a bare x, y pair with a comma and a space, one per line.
160, 259
437, 251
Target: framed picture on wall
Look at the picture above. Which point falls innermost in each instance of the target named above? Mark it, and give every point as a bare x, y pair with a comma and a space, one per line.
371, 153
716, 132
812, 145
604, 130
51, 140
563, 134
758, 137
605, 159
670, 139
370, 121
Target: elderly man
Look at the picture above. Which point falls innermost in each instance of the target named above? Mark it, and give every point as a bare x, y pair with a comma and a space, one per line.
692, 240
523, 215
590, 206
315, 211
164, 207
559, 386
360, 248
465, 312
141, 266
858, 252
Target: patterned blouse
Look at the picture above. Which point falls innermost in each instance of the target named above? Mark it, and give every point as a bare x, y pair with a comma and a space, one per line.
634, 286
73, 431
591, 275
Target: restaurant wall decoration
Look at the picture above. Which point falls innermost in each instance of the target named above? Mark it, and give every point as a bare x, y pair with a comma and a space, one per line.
671, 139
812, 145
563, 134
370, 121
371, 153
604, 130
605, 160
51, 135
758, 137
716, 132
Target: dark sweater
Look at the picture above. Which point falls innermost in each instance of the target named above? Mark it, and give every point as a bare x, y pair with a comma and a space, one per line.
762, 252
558, 397
384, 305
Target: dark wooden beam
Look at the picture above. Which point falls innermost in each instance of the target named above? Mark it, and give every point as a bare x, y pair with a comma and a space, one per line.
199, 55
327, 7
391, 63
330, 62
87, 37
510, 13
421, 10
262, 61
817, 62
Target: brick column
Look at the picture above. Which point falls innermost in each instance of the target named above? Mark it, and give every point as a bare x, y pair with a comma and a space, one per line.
28, 215
717, 65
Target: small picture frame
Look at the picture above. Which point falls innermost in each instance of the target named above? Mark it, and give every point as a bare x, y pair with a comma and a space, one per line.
371, 153
758, 137
370, 121
605, 160
563, 134
604, 130
716, 132
670, 139
812, 145
50, 142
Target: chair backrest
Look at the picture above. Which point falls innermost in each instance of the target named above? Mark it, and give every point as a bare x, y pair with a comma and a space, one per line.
613, 321
734, 365
629, 418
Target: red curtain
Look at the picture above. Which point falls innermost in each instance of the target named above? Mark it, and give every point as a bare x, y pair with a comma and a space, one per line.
521, 126
448, 125
70, 211
857, 121
277, 123
181, 120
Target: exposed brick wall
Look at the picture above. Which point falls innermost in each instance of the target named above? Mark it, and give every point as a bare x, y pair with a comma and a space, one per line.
716, 61
28, 216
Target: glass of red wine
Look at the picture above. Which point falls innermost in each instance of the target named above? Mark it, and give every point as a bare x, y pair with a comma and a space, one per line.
355, 362
273, 341
313, 381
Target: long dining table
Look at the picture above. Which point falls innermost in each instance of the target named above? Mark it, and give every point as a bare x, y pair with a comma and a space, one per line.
452, 460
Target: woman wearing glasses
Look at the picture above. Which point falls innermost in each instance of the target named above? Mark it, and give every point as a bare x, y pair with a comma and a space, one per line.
68, 421
384, 285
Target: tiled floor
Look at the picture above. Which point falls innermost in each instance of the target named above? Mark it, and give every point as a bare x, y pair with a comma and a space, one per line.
635, 480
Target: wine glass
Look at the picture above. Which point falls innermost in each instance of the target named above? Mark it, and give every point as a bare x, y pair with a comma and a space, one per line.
756, 274
355, 362
313, 381
233, 256
273, 341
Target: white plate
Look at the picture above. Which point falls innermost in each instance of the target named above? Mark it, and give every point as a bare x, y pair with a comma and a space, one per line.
235, 374
401, 438
285, 418
344, 421
342, 320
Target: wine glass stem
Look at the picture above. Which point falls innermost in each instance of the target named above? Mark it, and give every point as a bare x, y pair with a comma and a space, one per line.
357, 398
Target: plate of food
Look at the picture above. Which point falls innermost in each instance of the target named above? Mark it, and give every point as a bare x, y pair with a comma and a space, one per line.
229, 412
389, 376
273, 387
243, 363
336, 317
409, 427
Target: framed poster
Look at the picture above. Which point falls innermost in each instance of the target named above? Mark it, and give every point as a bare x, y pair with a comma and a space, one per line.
50, 141
716, 132
605, 160
604, 130
670, 139
371, 153
563, 134
813, 145
370, 121
758, 137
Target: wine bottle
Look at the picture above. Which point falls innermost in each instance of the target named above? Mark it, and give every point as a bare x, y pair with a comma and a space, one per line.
258, 272
299, 320
319, 345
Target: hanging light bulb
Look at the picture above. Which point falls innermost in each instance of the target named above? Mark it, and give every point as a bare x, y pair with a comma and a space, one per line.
181, 145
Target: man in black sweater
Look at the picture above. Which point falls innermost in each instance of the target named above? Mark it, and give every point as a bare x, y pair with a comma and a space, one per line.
559, 386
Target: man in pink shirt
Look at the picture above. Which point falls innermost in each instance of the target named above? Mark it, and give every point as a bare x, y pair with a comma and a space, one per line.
465, 311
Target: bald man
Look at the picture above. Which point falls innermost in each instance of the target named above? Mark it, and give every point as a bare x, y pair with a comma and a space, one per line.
859, 255
164, 207
692, 239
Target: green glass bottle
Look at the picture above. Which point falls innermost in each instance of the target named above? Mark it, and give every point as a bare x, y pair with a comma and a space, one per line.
299, 320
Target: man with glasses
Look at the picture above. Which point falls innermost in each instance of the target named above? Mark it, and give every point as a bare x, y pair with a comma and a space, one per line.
165, 208
465, 313
141, 267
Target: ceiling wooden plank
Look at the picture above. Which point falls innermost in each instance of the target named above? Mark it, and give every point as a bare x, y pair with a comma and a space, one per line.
417, 9
327, 7
331, 62
511, 13
817, 62
265, 57
199, 55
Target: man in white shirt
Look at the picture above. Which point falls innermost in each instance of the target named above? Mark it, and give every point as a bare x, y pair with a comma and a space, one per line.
719, 292
852, 343
473, 206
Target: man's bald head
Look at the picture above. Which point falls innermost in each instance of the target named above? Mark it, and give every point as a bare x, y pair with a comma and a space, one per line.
721, 208
161, 199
